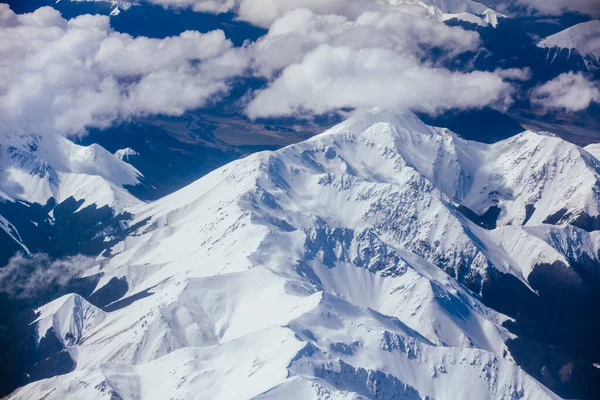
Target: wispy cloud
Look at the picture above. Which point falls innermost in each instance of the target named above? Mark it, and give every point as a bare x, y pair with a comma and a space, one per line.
30, 276
569, 91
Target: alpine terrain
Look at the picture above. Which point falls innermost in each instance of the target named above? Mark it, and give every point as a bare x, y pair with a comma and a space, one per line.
56, 196
582, 39
383, 259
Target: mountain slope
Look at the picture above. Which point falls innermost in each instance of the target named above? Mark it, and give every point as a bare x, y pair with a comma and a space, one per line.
467, 10
326, 269
35, 168
584, 38
58, 197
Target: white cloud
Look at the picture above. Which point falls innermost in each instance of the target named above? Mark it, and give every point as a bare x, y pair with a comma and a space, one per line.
29, 276
264, 12
515, 74
320, 63
568, 91
300, 31
329, 78
210, 6
68, 75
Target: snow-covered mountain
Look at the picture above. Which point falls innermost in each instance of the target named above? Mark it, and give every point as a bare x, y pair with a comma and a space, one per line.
583, 38
116, 5
35, 168
443, 10
466, 10
48, 171
333, 268
126, 154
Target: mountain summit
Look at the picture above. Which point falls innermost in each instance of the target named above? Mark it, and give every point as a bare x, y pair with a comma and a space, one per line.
583, 38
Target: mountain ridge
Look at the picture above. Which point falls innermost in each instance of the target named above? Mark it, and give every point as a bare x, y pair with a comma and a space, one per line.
582, 38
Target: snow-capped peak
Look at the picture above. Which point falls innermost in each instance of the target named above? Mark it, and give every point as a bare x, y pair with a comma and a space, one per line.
35, 168
470, 11
465, 10
583, 37
126, 153
117, 5
70, 317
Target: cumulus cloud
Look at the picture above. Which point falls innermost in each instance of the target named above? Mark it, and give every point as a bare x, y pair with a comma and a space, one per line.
65, 76
557, 7
298, 32
28, 276
329, 78
320, 63
569, 91
264, 12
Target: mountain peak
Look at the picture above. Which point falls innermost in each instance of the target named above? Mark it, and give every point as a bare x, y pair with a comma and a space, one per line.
584, 38
360, 120
126, 154
35, 168
69, 317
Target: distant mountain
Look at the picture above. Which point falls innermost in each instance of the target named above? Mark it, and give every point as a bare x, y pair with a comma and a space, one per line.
35, 168
116, 5
581, 40
467, 10
355, 264
126, 154
48, 183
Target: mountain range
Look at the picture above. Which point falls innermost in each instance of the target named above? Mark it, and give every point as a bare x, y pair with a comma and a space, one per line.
383, 258
359, 253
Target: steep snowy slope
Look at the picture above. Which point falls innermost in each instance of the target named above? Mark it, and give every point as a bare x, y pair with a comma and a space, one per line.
443, 10
318, 271
467, 10
35, 168
69, 317
583, 38
46, 183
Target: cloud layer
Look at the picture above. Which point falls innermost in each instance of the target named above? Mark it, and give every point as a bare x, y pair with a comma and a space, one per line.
64, 76
569, 91
329, 78
264, 12
320, 63
414, 34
